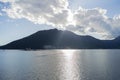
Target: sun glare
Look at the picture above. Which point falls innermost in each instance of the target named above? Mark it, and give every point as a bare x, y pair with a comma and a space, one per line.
71, 19
68, 53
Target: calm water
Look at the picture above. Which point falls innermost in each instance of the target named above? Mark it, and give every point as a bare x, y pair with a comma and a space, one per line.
60, 65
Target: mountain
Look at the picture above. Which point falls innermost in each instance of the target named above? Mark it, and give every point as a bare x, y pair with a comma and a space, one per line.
58, 39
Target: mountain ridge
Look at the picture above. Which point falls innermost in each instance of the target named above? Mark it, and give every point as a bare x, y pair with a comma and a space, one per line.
58, 39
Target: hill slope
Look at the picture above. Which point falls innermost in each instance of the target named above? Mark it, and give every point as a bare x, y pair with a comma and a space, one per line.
57, 39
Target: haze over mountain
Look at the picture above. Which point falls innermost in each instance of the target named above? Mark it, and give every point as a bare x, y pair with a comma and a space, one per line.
58, 39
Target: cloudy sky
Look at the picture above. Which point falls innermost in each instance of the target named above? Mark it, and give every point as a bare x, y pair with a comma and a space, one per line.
97, 18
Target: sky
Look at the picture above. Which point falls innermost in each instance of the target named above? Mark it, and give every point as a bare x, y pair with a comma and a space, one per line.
97, 18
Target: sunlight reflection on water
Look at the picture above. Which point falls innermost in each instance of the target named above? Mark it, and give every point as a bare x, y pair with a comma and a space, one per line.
60, 65
69, 70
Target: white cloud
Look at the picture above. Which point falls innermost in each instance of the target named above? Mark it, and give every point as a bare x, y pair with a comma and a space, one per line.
93, 22
7, 0
0, 14
53, 12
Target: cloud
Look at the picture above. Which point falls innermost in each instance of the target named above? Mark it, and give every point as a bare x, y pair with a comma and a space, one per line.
96, 23
93, 22
7, 0
0, 14
49, 12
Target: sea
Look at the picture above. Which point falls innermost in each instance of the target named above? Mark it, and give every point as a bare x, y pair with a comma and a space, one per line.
61, 64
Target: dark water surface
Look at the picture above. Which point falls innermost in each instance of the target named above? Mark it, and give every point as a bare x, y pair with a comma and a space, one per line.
60, 65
